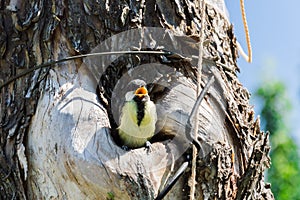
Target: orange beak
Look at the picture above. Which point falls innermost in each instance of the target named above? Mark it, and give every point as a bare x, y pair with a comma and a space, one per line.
141, 92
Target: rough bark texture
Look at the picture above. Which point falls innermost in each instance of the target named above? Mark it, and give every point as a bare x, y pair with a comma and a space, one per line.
56, 114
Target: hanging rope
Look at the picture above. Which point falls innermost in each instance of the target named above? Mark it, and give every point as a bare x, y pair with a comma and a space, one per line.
192, 180
248, 57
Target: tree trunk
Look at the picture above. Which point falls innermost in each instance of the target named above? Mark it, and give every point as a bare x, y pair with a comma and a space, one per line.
58, 123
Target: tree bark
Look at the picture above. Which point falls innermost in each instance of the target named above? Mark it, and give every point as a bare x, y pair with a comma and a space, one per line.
57, 123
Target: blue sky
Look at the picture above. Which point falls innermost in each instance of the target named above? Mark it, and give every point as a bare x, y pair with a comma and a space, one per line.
274, 29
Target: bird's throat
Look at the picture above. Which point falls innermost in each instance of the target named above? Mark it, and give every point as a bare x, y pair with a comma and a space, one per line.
140, 104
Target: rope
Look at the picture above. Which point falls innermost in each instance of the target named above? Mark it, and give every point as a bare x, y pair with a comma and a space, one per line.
246, 29
192, 180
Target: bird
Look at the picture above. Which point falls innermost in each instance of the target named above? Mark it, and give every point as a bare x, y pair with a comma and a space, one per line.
138, 119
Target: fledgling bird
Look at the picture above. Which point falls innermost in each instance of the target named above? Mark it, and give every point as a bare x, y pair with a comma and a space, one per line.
138, 119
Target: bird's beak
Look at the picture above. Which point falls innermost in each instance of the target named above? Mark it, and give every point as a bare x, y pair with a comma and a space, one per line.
141, 92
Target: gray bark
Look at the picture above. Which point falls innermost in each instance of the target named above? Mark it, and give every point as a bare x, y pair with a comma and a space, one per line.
56, 130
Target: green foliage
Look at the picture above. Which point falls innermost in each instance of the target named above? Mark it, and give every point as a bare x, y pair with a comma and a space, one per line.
110, 196
284, 173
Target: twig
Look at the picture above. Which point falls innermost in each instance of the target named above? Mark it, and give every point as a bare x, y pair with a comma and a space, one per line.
194, 113
48, 64
172, 181
199, 99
